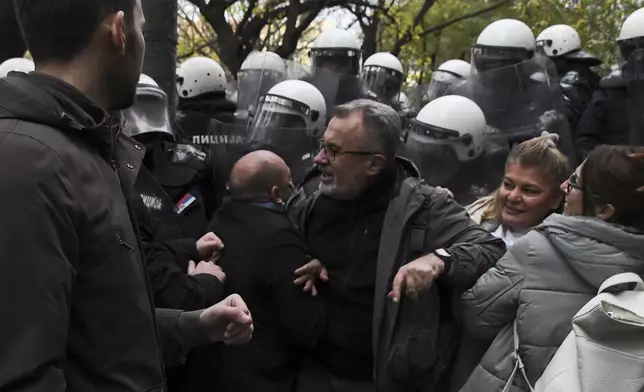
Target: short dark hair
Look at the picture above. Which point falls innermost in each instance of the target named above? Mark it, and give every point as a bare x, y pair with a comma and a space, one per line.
381, 123
59, 30
615, 175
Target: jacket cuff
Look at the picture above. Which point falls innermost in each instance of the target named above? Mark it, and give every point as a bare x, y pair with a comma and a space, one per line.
212, 288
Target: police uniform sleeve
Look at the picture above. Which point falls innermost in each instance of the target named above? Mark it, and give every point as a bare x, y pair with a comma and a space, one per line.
171, 286
39, 247
591, 125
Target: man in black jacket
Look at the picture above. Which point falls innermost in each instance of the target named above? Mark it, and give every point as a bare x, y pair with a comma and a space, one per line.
262, 251
72, 278
395, 251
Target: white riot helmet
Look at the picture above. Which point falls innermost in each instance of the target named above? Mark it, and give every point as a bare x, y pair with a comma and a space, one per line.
337, 50
451, 126
503, 43
563, 41
383, 74
17, 64
449, 73
292, 104
631, 45
258, 74
200, 75
289, 121
149, 117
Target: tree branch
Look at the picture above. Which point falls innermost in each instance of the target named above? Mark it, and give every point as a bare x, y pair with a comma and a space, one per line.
465, 17
420, 16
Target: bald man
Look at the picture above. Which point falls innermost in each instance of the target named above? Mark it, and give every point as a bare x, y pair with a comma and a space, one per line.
262, 250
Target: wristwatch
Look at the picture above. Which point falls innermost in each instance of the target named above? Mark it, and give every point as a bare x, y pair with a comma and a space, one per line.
446, 257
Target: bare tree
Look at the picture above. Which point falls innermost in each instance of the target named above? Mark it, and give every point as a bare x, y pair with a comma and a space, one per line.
238, 35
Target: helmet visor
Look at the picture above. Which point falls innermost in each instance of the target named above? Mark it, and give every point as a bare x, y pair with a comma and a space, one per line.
149, 114
383, 82
487, 58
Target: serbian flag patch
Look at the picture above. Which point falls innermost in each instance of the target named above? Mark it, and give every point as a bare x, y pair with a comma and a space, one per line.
186, 201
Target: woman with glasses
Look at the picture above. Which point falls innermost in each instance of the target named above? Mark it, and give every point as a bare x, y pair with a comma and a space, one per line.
555, 269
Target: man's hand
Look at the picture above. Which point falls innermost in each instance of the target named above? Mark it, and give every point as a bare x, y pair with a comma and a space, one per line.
417, 276
445, 190
209, 247
307, 275
206, 267
229, 321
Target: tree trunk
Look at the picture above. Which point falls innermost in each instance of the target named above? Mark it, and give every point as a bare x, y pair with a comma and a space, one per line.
161, 44
11, 44
370, 41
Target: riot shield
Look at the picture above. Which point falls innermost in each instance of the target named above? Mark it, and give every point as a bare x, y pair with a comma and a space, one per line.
227, 143
520, 102
280, 128
251, 85
336, 88
445, 160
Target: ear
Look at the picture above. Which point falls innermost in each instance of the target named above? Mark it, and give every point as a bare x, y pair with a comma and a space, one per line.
275, 195
605, 212
376, 164
117, 31
556, 203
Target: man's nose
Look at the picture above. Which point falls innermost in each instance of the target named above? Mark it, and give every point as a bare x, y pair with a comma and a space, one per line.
321, 158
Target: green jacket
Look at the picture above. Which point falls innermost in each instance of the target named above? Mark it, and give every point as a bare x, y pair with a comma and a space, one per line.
414, 341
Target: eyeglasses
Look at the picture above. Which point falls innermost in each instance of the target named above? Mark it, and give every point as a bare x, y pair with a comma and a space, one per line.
573, 182
331, 152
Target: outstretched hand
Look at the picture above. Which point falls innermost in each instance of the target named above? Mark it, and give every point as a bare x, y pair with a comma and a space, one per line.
309, 273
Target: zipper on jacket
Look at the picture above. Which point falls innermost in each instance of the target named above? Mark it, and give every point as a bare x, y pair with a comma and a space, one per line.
125, 244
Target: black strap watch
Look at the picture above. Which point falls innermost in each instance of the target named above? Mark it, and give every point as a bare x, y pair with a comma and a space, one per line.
446, 257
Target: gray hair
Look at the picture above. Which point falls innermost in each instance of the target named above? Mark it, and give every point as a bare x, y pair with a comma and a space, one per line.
380, 121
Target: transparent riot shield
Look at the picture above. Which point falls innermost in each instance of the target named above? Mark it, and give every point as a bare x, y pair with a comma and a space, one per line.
336, 88
520, 102
226, 144
283, 129
445, 159
252, 84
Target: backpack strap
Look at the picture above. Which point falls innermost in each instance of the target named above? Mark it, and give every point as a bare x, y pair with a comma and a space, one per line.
627, 281
519, 367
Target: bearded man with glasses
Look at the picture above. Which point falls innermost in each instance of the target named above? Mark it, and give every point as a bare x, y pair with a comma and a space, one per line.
391, 253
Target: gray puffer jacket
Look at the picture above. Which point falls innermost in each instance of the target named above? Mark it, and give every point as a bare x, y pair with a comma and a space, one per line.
543, 280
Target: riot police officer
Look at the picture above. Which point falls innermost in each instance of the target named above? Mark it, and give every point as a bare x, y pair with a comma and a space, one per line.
17, 64
562, 44
448, 73
608, 117
201, 88
383, 74
258, 74
447, 141
175, 180
290, 119
336, 57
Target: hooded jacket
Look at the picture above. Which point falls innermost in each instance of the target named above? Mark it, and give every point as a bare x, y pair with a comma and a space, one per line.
543, 281
77, 310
